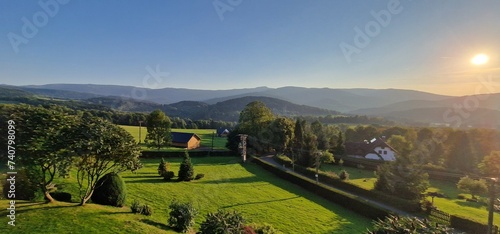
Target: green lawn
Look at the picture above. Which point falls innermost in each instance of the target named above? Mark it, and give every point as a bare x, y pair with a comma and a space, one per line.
257, 194
472, 210
204, 134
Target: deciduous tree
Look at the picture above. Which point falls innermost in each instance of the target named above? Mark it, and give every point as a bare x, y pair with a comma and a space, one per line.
158, 126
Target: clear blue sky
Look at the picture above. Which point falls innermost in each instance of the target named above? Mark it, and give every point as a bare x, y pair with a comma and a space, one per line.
425, 46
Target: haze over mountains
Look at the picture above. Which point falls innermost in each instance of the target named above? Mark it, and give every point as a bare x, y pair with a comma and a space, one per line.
408, 105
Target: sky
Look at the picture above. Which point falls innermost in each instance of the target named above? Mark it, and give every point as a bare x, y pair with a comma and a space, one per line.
227, 44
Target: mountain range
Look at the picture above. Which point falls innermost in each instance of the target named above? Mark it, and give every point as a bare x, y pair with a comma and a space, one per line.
396, 104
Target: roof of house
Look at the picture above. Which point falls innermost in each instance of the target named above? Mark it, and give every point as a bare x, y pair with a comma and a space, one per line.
183, 137
364, 148
222, 130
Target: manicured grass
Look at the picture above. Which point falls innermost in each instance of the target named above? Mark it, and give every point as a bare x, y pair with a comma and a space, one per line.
257, 194
204, 134
452, 205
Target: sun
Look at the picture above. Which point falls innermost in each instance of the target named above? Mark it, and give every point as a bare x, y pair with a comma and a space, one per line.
479, 59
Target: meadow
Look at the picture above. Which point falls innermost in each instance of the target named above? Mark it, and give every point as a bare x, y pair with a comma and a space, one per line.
206, 135
476, 211
228, 184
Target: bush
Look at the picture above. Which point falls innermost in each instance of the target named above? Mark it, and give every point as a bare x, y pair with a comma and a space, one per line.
222, 222
136, 207
110, 190
474, 187
146, 210
168, 175
186, 171
163, 167
394, 224
264, 229
344, 175
199, 176
61, 196
460, 196
181, 216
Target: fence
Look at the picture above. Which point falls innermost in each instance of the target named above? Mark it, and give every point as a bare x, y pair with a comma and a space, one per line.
440, 217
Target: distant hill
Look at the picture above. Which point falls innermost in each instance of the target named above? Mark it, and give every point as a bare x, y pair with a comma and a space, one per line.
478, 111
162, 96
227, 110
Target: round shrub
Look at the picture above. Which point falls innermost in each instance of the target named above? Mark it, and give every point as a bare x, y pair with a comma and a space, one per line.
110, 190
222, 222
147, 210
344, 175
181, 216
168, 175
136, 207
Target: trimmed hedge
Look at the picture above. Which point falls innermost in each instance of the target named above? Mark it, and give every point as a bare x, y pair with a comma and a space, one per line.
347, 200
110, 190
467, 225
160, 154
335, 181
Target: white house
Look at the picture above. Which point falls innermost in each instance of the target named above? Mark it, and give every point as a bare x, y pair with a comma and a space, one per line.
376, 149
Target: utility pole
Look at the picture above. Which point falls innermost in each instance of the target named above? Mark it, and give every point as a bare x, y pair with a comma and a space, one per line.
243, 146
492, 183
140, 125
213, 134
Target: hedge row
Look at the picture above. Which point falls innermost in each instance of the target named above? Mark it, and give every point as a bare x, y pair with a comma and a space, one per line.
344, 199
333, 180
163, 154
467, 225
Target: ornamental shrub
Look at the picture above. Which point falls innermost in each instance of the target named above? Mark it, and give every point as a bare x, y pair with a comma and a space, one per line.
110, 190
163, 167
146, 210
186, 170
168, 175
136, 207
181, 216
344, 175
222, 222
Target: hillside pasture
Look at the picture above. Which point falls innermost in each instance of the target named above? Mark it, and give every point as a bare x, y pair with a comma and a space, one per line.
247, 188
205, 135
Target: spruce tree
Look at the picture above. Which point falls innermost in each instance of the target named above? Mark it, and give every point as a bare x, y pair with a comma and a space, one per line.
163, 167
186, 171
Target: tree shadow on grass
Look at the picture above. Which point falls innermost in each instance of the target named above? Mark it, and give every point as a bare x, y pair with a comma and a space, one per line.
260, 202
471, 204
249, 179
156, 224
150, 175
155, 180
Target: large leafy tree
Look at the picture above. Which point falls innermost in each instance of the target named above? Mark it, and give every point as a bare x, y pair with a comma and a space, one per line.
404, 178
474, 187
254, 118
490, 166
460, 156
158, 125
101, 147
282, 134
41, 143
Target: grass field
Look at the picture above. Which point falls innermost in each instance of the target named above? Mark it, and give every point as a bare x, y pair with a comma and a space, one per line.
204, 134
472, 210
257, 194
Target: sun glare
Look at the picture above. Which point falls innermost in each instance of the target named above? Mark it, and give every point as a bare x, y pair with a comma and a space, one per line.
479, 59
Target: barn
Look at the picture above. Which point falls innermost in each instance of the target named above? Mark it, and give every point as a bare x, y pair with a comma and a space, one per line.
185, 140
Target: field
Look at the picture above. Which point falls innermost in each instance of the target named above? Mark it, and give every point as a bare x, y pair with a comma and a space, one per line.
257, 194
205, 135
452, 205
